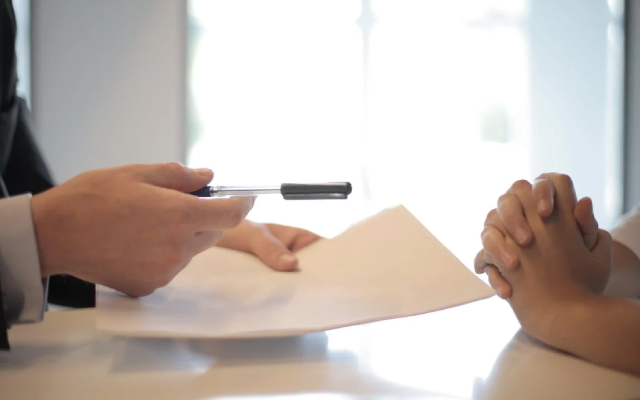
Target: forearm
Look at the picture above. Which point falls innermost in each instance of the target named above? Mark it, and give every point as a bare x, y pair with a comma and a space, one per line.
603, 330
625, 273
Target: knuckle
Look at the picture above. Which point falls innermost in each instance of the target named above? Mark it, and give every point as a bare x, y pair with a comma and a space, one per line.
176, 168
236, 217
564, 178
505, 199
491, 216
521, 185
480, 262
488, 239
564, 181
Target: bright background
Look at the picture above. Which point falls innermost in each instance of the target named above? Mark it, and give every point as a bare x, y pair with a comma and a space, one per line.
438, 105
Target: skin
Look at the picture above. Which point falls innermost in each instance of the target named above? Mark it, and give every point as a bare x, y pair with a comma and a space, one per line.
134, 228
508, 218
558, 278
272, 243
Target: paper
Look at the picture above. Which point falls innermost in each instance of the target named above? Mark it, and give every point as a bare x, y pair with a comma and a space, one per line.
388, 266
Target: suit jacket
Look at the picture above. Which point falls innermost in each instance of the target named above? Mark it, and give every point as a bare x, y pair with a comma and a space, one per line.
22, 168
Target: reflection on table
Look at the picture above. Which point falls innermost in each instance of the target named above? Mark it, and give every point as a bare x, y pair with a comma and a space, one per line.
472, 351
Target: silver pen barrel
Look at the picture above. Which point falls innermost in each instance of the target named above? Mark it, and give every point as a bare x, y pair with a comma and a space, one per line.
222, 191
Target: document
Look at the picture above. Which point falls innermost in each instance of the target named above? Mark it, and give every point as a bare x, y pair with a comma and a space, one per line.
388, 266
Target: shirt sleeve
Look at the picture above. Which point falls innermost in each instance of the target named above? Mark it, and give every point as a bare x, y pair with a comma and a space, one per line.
627, 232
23, 289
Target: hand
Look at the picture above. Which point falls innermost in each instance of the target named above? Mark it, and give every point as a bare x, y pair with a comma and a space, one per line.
132, 228
556, 269
509, 218
273, 244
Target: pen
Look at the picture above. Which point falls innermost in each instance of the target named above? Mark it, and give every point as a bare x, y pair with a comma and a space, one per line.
289, 191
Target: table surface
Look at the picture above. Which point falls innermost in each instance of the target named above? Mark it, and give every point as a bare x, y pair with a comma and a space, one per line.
472, 351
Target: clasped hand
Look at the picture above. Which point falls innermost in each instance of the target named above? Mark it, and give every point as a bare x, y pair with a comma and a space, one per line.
542, 250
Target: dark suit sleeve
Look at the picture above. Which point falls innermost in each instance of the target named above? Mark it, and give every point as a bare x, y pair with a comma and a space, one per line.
26, 172
22, 168
4, 340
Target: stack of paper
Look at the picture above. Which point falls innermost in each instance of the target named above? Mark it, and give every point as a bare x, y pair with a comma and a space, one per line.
386, 267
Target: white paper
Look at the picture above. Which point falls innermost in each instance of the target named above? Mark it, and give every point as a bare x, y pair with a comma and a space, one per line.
387, 267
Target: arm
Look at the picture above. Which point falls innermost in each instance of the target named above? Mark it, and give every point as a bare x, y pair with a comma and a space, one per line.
602, 330
625, 276
558, 285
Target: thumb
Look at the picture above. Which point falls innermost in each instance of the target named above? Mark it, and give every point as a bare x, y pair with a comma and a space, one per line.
273, 252
583, 213
604, 246
176, 176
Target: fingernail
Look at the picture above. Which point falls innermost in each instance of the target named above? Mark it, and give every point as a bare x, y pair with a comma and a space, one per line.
204, 172
287, 259
543, 206
521, 235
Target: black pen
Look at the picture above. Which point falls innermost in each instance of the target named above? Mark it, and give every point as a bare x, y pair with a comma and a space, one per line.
289, 191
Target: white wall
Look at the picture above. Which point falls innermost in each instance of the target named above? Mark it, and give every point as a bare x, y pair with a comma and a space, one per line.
108, 81
632, 151
576, 95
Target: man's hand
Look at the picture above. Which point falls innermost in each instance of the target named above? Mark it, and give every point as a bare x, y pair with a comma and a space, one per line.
556, 268
132, 228
509, 219
273, 244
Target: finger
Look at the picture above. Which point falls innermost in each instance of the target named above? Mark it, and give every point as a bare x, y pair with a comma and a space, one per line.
494, 243
273, 252
214, 214
583, 214
303, 240
204, 240
565, 195
174, 176
543, 194
497, 282
294, 238
493, 219
482, 260
512, 216
523, 190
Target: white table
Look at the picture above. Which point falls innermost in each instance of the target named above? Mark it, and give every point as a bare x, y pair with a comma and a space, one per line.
465, 352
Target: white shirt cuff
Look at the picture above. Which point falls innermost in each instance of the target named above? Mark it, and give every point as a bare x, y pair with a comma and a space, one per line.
627, 232
23, 289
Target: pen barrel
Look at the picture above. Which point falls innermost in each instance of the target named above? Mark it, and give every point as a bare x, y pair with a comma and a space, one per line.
219, 191
332, 190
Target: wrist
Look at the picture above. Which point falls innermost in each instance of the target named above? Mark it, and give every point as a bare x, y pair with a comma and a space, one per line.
568, 317
42, 227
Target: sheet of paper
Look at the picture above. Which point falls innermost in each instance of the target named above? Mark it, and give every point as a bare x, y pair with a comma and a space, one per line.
388, 266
